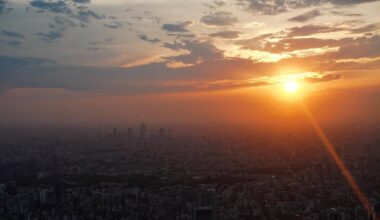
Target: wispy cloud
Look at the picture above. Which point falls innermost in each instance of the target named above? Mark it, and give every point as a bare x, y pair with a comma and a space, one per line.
101, 45
147, 39
4, 8
148, 78
281, 6
69, 14
226, 34
220, 18
114, 24
12, 34
179, 27
50, 36
323, 78
374, 27
12, 39
306, 16
11, 43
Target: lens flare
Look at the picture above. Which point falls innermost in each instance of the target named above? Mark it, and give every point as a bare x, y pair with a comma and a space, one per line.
364, 200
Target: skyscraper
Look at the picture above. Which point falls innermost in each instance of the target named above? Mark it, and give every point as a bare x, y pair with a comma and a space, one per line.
142, 135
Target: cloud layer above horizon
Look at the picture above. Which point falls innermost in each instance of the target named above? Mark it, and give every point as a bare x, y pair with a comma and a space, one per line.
129, 47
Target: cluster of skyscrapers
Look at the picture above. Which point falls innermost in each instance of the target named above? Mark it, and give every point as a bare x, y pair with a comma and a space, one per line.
141, 135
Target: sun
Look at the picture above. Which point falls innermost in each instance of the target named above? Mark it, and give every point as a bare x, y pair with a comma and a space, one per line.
291, 86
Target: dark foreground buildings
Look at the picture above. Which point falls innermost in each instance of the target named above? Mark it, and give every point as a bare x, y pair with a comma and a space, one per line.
120, 175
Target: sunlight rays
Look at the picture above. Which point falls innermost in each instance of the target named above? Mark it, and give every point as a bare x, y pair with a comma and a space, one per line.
340, 164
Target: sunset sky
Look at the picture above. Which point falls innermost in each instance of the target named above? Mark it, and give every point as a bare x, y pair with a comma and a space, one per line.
194, 61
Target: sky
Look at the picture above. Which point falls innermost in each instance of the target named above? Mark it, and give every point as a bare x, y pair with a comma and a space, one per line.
97, 62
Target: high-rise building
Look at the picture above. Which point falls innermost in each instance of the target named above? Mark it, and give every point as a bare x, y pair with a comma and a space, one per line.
142, 135
114, 132
130, 133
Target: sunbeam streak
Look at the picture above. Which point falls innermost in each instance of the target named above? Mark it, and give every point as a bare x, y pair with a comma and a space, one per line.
340, 164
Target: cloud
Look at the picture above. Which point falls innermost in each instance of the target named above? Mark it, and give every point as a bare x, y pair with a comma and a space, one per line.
155, 19
147, 39
345, 13
215, 72
219, 3
82, 1
101, 45
182, 35
289, 39
57, 29
299, 42
198, 52
221, 18
226, 34
80, 13
264, 7
7, 61
349, 2
70, 15
290, 42
197, 86
56, 7
363, 47
255, 43
174, 46
293, 44
62, 23
180, 27
59, 6
353, 64
12, 39
12, 34
114, 25
4, 9
368, 28
215, 4
86, 15
2, 6
11, 43
50, 36
306, 16
149, 78
137, 17
312, 29
323, 78
273, 7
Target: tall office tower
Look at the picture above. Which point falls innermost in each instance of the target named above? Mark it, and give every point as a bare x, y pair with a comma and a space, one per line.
142, 135
114, 132
130, 133
162, 133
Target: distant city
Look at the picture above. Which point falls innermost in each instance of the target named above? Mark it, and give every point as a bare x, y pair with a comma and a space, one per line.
126, 173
